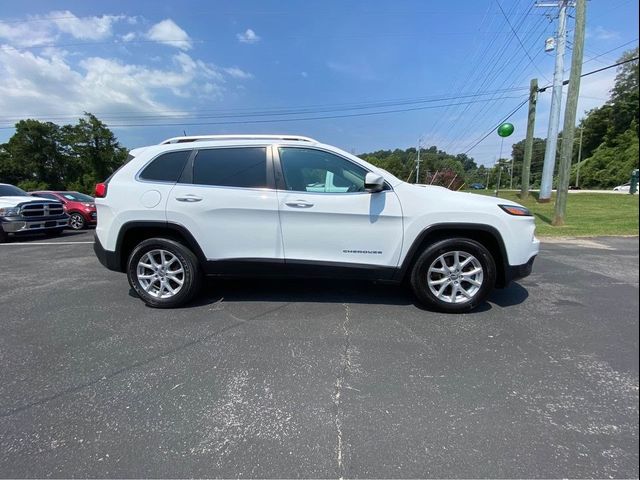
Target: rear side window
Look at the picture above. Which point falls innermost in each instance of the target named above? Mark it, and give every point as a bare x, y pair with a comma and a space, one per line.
231, 167
167, 167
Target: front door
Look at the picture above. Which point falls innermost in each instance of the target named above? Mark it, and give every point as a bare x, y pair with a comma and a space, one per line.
326, 215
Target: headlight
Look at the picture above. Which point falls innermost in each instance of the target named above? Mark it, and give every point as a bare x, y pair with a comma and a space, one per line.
10, 211
88, 204
516, 210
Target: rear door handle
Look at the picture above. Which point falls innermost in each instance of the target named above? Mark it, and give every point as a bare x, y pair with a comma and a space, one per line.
299, 204
189, 198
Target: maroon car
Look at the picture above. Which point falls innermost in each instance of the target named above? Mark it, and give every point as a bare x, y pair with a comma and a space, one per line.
80, 207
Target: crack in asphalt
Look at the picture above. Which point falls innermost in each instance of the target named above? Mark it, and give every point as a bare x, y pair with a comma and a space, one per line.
141, 363
339, 385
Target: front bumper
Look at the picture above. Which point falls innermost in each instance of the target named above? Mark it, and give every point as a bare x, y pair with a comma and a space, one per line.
516, 272
19, 225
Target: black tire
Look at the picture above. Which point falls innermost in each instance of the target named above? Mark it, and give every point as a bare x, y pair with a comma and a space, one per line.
191, 276
77, 222
4, 236
420, 274
54, 232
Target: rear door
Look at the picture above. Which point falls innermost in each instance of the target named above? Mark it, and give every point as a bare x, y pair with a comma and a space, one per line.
326, 215
227, 201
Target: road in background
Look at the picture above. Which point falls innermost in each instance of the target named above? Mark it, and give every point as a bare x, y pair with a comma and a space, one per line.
318, 379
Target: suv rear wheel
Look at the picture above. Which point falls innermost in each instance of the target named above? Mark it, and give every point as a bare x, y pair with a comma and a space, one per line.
454, 275
164, 273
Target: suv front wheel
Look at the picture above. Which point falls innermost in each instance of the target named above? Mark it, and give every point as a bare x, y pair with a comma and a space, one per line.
454, 275
164, 273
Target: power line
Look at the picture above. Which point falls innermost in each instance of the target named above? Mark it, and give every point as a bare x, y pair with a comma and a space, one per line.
513, 112
268, 112
595, 71
484, 110
542, 90
520, 41
326, 117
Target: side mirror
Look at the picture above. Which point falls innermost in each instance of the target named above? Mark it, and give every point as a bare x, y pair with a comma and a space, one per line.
373, 183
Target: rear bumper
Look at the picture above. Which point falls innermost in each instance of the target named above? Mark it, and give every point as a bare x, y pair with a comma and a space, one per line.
108, 259
516, 272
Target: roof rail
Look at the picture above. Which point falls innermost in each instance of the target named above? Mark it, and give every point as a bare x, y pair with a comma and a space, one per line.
201, 138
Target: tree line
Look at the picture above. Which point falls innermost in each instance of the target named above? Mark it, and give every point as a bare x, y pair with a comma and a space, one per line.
47, 156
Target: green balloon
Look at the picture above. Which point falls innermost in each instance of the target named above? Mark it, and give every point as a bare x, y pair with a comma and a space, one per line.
505, 129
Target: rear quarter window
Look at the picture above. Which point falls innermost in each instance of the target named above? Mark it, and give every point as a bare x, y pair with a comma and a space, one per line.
166, 168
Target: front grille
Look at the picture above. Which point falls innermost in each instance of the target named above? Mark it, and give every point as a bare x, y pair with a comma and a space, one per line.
41, 210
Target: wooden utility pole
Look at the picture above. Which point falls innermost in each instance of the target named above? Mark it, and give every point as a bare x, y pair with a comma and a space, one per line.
528, 144
568, 131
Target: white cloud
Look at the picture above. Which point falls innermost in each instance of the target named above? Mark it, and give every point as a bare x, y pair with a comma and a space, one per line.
46, 29
84, 28
601, 33
127, 37
169, 33
36, 85
249, 36
27, 35
238, 73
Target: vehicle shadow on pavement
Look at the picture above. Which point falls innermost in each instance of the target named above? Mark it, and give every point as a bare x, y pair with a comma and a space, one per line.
331, 291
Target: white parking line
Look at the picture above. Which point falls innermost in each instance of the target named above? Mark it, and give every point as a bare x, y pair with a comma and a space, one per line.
41, 243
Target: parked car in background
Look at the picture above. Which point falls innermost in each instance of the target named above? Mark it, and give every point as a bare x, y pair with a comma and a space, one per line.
622, 188
476, 186
80, 207
21, 213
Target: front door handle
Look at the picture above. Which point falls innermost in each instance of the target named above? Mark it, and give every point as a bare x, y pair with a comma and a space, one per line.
189, 198
299, 204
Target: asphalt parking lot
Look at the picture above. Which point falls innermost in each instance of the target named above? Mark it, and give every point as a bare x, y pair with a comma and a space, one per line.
317, 379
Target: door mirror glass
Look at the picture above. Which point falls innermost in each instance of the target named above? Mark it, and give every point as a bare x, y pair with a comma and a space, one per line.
373, 183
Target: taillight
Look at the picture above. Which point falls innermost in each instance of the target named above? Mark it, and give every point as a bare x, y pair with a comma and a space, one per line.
101, 190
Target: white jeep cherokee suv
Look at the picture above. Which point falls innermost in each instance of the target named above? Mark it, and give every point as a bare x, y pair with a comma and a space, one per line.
287, 205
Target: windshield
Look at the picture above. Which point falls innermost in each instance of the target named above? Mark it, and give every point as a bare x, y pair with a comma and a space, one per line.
77, 197
11, 191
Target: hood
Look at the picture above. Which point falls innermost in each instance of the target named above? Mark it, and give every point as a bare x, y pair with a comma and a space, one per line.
13, 201
453, 196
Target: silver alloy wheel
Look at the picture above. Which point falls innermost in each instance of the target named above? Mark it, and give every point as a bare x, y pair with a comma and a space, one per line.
455, 277
76, 221
160, 273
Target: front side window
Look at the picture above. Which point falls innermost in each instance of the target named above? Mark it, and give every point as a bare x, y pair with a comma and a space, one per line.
11, 191
167, 167
77, 197
244, 167
308, 170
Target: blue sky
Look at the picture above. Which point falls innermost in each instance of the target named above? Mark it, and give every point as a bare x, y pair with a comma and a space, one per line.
214, 66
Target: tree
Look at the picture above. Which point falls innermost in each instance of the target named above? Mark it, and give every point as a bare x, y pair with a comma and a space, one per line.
610, 132
537, 160
93, 150
36, 155
43, 155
